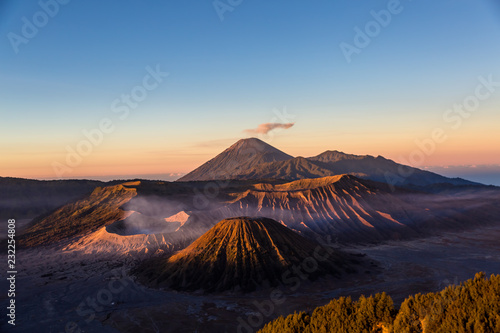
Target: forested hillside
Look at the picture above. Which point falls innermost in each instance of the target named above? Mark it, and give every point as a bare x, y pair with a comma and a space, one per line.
472, 306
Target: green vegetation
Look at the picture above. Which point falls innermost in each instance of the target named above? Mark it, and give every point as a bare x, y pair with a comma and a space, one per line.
472, 306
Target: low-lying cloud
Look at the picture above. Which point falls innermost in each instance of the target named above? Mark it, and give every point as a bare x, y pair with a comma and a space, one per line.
267, 127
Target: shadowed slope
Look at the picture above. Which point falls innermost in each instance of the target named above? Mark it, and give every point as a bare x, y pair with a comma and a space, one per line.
296, 168
331, 163
240, 253
381, 169
79, 218
27, 198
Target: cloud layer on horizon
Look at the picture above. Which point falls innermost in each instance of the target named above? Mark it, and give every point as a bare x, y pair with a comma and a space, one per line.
267, 127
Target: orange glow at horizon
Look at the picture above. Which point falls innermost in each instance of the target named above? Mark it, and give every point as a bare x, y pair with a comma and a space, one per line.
134, 162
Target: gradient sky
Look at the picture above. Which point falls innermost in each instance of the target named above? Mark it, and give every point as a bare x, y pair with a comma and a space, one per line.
230, 75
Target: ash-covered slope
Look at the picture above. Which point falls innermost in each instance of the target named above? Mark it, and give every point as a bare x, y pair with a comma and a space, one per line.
103, 222
241, 253
81, 217
344, 206
242, 157
351, 209
147, 216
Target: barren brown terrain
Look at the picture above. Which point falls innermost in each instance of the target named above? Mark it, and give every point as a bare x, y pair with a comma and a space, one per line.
56, 287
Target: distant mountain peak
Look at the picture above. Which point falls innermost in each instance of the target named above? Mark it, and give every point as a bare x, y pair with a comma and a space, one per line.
249, 142
253, 158
254, 145
330, 156
240, 158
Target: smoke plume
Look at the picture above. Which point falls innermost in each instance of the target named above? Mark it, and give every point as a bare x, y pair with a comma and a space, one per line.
267, 127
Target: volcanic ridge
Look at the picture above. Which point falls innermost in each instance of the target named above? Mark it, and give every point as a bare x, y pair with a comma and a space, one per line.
241, 254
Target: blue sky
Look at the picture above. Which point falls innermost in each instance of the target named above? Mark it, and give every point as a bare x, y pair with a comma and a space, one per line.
227, 76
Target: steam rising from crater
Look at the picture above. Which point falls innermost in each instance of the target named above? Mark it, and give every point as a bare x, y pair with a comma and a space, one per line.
267, 127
